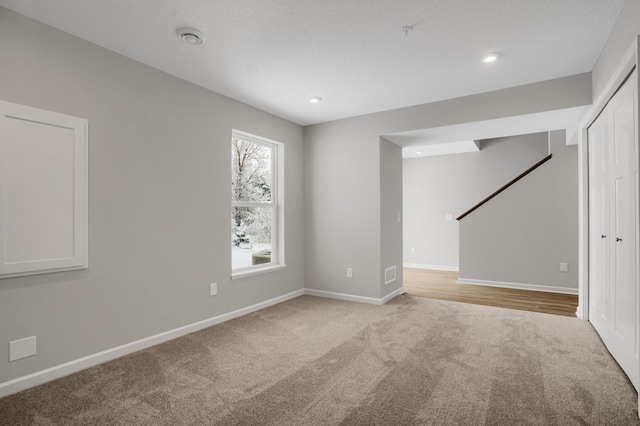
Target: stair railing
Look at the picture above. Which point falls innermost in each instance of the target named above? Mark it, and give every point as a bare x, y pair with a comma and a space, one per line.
514, 180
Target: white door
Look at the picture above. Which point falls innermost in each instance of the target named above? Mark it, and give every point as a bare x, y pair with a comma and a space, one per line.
613, 291
623, 161
598, 229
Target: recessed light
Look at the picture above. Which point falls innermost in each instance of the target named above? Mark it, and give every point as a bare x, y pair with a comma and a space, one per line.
418, 152
190, 36
315, 100
491, 57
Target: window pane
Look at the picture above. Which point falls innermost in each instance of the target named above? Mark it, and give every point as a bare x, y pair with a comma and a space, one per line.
250, 236
251, 168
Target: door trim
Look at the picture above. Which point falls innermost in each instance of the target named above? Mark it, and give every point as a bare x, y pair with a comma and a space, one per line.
628, 63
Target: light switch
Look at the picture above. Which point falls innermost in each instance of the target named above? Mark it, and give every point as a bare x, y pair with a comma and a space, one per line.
564, 267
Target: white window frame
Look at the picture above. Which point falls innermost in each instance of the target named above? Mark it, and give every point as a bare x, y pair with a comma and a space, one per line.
276, 204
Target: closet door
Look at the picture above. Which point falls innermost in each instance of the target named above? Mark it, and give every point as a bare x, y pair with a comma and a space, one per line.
613, 286
623, 169
599, 300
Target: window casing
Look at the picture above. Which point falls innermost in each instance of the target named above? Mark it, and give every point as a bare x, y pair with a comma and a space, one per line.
256, 204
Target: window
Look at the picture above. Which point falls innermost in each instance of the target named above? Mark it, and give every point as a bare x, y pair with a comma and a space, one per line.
256, 210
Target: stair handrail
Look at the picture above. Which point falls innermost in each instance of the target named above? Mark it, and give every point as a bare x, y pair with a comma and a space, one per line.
511, 182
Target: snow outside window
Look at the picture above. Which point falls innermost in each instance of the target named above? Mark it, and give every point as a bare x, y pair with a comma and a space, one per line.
255, 205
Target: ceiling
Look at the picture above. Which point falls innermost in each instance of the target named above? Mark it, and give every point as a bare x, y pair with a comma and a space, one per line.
276, 54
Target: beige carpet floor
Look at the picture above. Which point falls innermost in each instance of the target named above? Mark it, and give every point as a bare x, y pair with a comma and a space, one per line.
313, 361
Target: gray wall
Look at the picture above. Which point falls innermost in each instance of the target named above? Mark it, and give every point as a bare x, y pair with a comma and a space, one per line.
523, 234
451, 184
343, 197
390, 207
624, 32
342, 206
159, 194
159, 200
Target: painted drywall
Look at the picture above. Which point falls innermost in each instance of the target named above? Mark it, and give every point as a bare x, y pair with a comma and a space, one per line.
435, 187
523, 234
560, 93
391, 222
343, 217
159, 200
622, 35
342, 193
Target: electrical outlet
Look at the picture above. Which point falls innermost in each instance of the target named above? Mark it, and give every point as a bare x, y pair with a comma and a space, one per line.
349, 273
213, 289
22, 348
413, 250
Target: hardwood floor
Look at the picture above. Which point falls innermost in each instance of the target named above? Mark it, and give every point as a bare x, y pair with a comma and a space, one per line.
443, 285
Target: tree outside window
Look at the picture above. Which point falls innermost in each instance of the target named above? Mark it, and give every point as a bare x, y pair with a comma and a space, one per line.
254, 203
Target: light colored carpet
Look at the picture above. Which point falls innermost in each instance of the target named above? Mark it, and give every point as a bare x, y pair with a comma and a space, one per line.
313, 361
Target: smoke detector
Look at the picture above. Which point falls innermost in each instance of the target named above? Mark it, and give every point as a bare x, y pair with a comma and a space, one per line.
190, 36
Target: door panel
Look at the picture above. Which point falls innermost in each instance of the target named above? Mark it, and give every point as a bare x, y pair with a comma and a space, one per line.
613, 282
624, 335
598, 243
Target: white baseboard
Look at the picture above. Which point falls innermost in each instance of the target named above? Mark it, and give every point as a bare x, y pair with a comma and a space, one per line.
391, 295
43, 376
432, 267
353, 298
519, 286
40, 377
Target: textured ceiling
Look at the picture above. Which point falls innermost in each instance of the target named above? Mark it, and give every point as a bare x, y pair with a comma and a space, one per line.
276, 54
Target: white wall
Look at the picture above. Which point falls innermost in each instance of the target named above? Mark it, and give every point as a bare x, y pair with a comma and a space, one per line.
522, 235
451, 184
159, 200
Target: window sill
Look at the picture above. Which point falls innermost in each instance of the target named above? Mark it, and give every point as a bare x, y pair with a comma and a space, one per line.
256, 271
